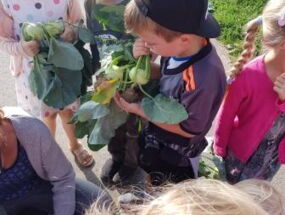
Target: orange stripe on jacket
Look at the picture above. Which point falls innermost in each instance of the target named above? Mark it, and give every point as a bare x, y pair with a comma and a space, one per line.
188, 77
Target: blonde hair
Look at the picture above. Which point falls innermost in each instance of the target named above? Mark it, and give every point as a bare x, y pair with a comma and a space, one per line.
264, 194
203, 197
207, 197
272, 34
136, 22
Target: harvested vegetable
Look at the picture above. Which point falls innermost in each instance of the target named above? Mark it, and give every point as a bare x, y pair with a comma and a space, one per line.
61, 71
32, 31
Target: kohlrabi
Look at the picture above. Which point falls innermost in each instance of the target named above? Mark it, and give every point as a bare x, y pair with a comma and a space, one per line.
32, 31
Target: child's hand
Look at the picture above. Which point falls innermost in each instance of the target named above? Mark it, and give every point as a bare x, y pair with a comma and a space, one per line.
279, 86
31, 48
140, 49
128, 107
69, 34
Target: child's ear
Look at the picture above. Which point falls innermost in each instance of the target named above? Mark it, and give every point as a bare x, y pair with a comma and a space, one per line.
185, 38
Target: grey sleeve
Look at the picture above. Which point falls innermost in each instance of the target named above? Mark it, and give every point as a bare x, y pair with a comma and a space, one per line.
48, 161
199, 104
59, 172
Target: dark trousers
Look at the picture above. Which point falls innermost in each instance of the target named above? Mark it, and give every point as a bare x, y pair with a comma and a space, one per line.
40, 202
162, 163
124, 146
161, 172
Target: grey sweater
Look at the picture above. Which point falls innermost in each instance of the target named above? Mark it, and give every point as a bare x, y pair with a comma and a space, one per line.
48, 160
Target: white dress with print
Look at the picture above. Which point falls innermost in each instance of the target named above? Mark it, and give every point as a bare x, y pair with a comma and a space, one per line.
34, 11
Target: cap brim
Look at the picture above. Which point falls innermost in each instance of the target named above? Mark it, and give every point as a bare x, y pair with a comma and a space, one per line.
210, 28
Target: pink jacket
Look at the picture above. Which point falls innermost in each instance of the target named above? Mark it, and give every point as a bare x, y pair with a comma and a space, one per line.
248, 111
14, 48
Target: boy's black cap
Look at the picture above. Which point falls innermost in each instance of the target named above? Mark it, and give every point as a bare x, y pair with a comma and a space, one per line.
185, 16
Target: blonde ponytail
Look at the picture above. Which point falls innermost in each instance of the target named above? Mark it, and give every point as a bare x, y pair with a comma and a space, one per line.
248, 46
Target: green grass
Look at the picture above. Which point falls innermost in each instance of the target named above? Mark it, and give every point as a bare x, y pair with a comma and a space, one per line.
232, 16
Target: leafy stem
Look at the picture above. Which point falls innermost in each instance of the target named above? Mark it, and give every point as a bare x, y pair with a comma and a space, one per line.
144, 92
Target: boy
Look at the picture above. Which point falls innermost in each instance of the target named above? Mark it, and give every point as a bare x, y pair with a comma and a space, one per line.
190, 72
123, 147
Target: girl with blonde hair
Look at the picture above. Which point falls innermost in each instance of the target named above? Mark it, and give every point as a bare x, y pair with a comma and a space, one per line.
251, 126
207, 197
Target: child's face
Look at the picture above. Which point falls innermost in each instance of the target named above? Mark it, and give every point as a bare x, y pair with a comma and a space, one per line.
160, 46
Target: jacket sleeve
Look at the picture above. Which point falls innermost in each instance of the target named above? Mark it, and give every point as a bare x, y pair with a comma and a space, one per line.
228, 114
7, 43
59, 172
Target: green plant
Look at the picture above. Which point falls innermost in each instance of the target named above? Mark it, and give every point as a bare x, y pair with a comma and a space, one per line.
61, 71
232, 16
121, 72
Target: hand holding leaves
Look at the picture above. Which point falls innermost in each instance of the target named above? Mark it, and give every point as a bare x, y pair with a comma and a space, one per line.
128, 107
69, 34
31, 48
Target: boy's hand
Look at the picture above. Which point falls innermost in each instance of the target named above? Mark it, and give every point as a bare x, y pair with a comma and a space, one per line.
279, 86
140, 49
69, 34
31, 48
128, 107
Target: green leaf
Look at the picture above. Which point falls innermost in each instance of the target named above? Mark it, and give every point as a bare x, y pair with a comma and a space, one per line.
91, 110
105, 92
64, 55
163, 109
63, 89
84, 128
105, 127
86, 35
40, 79
111, 16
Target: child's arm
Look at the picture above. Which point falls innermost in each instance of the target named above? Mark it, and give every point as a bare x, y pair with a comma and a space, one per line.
74, 13
75, 16
8, 44
228, 112
136, 109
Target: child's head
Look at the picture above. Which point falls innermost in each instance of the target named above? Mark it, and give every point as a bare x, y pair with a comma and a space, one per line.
273, 17
264, 194
207, 197
202, 197
170, 21
273, 35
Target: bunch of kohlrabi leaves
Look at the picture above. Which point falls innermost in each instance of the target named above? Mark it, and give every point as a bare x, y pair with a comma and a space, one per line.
121, 72
61, 70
